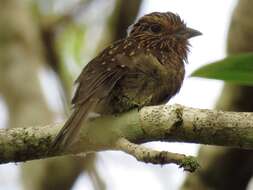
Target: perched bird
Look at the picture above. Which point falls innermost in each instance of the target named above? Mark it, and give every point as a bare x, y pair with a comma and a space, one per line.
145, 68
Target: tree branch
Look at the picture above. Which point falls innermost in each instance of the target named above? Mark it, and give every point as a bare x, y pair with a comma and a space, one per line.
164, 123
148, 155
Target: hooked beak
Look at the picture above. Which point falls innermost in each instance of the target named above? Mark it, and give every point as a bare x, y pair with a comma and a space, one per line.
187, 33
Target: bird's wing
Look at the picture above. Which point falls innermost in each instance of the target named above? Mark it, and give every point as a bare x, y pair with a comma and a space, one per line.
99, 77
96, 81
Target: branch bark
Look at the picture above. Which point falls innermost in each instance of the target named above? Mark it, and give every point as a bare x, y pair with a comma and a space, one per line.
164, 123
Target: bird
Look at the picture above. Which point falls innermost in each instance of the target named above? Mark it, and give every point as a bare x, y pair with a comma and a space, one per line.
145, 68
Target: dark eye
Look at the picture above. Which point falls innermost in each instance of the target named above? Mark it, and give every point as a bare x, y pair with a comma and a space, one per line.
156, 28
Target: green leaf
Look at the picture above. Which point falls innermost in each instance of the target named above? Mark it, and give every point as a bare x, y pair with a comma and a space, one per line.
236, 69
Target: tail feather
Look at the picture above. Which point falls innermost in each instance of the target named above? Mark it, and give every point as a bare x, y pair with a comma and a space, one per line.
72, 127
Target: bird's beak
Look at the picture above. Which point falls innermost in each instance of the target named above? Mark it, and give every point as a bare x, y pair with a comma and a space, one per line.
187, 33
190, 32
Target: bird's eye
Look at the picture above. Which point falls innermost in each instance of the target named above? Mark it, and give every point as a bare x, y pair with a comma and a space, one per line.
156, 28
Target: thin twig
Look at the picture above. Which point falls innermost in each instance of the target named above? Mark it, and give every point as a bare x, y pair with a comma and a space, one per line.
148, 155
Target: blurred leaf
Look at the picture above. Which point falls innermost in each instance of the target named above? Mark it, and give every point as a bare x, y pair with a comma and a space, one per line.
70, 43
236, 69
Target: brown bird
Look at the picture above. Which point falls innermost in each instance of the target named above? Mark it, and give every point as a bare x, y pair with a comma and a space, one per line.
145, 68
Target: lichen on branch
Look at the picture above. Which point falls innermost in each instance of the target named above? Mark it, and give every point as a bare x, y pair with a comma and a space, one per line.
171, 123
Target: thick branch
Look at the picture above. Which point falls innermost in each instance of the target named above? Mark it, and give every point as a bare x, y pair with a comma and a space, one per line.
165, 123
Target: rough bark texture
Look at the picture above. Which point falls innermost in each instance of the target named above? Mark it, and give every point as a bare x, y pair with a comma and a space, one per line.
229, 168
174, 123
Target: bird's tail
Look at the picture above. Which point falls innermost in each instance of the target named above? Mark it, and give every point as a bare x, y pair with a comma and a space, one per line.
72, 127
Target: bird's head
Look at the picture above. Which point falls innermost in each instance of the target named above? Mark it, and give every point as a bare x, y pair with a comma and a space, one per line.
163, 31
